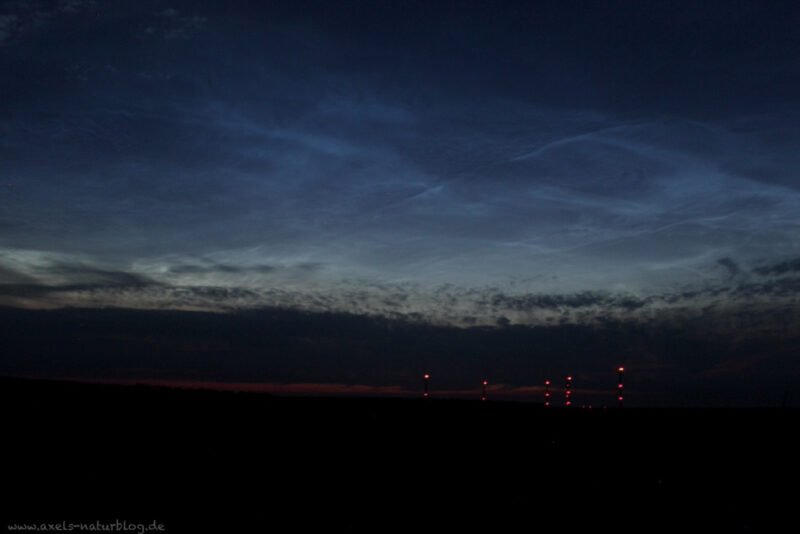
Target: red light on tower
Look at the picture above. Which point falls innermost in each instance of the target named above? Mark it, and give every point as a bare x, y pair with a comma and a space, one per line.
426, 377
483, 391
568, 391
547, 393
619, 385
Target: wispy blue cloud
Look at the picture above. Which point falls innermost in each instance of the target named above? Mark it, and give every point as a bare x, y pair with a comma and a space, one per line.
280, 144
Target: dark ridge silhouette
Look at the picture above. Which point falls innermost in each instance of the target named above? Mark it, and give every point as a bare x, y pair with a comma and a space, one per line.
232, 462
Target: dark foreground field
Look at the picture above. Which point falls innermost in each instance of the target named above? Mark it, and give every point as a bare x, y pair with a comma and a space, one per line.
234, 462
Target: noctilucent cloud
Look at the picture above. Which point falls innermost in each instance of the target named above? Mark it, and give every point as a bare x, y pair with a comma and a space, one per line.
460, 162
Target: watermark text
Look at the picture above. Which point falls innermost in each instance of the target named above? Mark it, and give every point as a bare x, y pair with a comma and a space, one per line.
96, 526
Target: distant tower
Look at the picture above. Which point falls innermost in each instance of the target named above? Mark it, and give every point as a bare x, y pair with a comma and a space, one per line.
483, 391
547, 393
568, 392
425, 377
619, 385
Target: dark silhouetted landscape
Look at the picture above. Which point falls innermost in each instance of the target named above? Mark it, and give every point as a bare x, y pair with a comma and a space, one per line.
245, 462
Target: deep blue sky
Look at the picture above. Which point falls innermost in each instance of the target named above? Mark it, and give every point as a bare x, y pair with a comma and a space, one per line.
458, 163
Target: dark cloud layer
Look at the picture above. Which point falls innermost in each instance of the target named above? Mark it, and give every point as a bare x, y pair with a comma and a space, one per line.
77, 278
191, 286
790, 266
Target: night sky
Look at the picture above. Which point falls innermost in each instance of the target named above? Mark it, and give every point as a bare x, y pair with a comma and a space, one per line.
340, 196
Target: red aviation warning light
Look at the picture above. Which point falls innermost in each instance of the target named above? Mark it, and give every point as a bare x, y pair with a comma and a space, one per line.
568, 391
426, 377
483, 391
620, 370
547, 393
